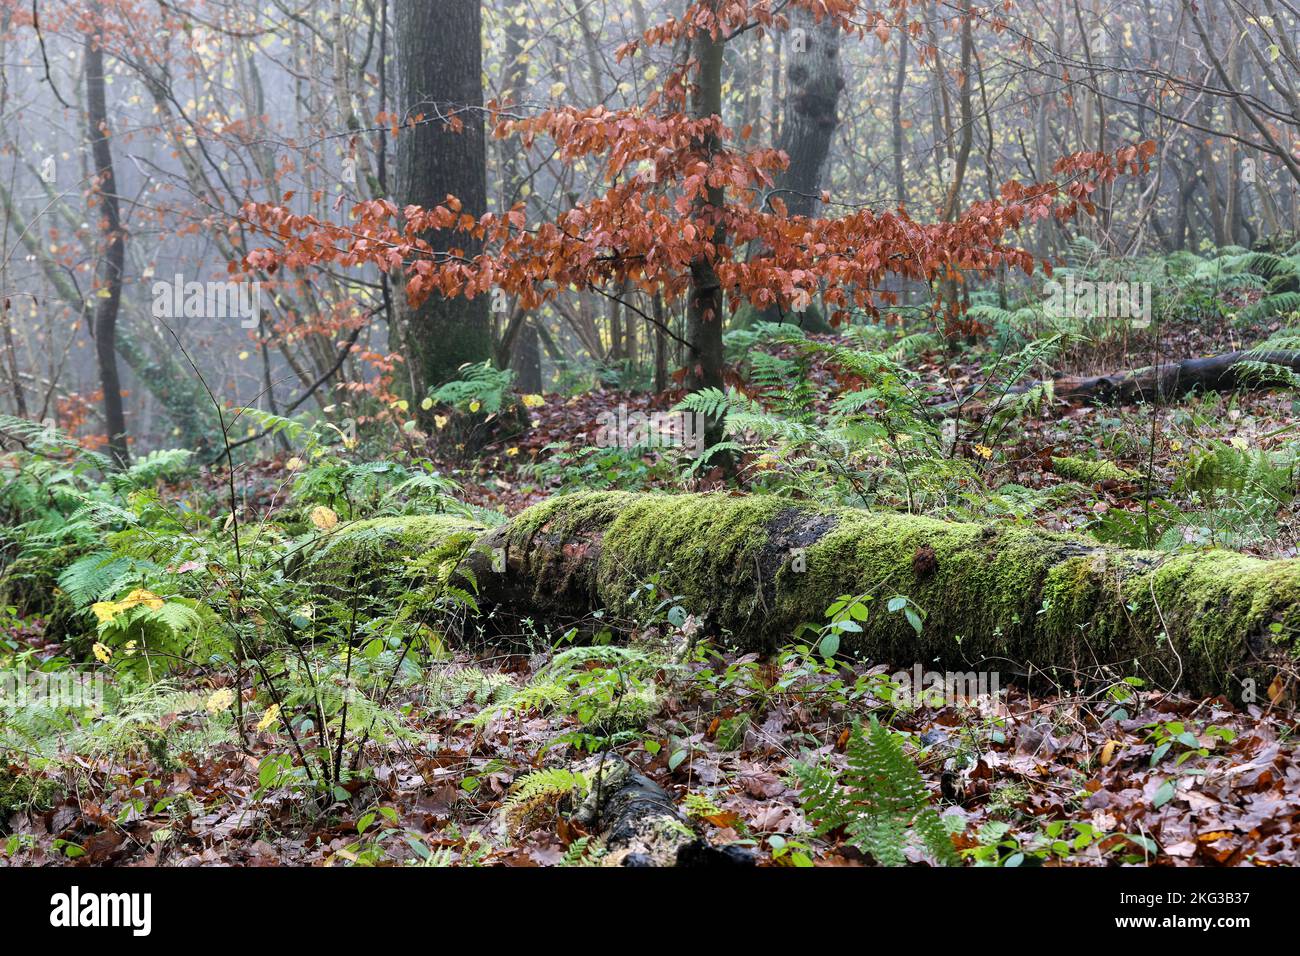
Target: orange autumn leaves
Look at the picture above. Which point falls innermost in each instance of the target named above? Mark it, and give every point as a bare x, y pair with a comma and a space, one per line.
648, 229
658, 218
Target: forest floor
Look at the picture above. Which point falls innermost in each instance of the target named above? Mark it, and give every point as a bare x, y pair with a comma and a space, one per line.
1041, 775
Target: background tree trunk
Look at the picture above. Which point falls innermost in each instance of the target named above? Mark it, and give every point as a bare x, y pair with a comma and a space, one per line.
440, 63
526, 359
814, 79
704, 363
110, 268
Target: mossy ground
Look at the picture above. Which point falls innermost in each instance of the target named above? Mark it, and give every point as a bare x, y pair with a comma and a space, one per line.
22, 791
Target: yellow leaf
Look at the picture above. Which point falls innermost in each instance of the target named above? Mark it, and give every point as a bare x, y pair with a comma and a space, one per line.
440, 422
220, 700
511, 452
105, 611
324, 518
102, 652
475, 405
1108, 752
1276, 689
269, 718
533, 401
984, 451
140, 596
294, 463
427, 404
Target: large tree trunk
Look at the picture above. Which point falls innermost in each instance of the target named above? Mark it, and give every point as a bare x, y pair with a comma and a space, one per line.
439, 52
814, 80
995, 597
110, 269
1172, 380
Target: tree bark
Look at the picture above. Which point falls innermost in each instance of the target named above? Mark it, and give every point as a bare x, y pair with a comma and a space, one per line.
813, 82
439, 53
705, 361
526, 359
110, 267
996, 597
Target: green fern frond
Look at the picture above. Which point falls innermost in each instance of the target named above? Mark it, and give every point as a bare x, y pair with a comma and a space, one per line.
880, 800
542, 789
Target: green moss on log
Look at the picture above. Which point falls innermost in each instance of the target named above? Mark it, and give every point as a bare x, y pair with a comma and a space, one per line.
1091, 472
379, 544
996, 596
21, 791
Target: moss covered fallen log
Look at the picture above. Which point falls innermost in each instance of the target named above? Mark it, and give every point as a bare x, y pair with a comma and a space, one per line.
994, 597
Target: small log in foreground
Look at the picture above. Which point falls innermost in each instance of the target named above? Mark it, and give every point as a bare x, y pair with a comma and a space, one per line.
995, 597
639, 823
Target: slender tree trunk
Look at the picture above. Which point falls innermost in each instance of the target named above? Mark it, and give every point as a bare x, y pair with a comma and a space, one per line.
109, 297
440, 61
661, 343
951, 202
896, 118
704, 308
813, 82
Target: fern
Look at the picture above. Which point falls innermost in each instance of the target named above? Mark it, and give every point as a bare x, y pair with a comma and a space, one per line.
879, 800
481, 383
1283, 303
540, 790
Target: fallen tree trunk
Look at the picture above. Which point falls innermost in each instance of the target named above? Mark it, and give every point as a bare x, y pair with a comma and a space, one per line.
997, 597
1215, 373
1166, 382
